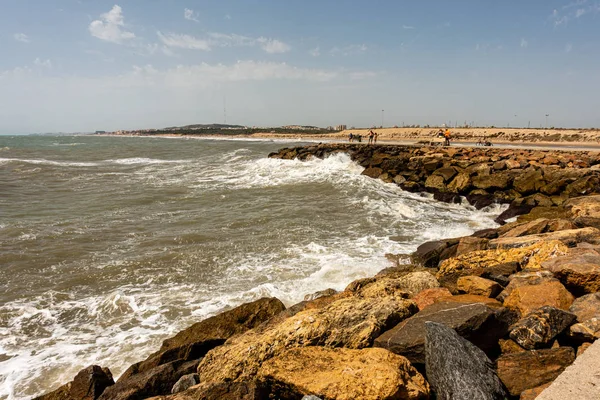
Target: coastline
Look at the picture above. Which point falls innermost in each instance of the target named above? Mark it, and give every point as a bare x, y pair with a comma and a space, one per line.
562, 216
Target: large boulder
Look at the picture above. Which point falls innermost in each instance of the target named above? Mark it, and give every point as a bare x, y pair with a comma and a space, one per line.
375, 374
435, 182
194, 342
531, 297
530, 369
538, 328
525, 278
588, 330
469, 243
586, 307
352, 322
153, 382
88, 384
457, 369
247, 390
480, 323
579, 271
460, 184
498, 181
585, 211
529, 182
428, 254
185, 382
429, 296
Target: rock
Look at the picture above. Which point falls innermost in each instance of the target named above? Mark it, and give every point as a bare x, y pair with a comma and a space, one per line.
248, 390
588, 330
529, 182
580, 381
579, 272
319, 294
88, 384
478, 286
468, 244
153, 382
581, 186
460, 184
428, 254
530, 369
532, 394
555, 187
311, 397
481, 324
471, 299
586, 307
343, 374
528, 228
435, 182
415, 282
352, 322
372, 172
429, 296
446, 172
384, 285
185, 382
509, 346
457, 369
498, 181
528, 257
525, 278
538, 328
569, 237
581, 349
195, 341
585, 210
512, 164
531, 297
499, 273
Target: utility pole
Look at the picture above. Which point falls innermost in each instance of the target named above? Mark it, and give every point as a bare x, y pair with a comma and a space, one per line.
382, 118
547, 115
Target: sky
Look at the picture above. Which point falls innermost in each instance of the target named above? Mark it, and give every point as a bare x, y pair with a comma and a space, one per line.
87, 65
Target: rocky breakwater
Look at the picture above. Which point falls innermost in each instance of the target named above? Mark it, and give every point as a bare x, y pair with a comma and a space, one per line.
499, 314
523, 178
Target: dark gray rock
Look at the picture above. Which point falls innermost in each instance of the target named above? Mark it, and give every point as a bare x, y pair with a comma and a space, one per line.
538, 328
477, 322
456, 369
185, 382
88, 384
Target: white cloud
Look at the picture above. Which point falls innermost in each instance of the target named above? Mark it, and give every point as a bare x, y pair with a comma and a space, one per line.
216, 39
21, 37
316, 52
227, 17
580, 12
568, 48
183, 41
110, 27
43, 63
190, 15
407, 27
273, 46
524, 43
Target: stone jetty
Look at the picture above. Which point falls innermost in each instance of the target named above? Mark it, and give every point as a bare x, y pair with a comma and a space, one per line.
520, 302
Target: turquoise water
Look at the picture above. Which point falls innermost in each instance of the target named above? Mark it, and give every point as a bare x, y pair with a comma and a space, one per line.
111, 244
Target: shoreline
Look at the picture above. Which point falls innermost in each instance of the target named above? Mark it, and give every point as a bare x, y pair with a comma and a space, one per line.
488, 275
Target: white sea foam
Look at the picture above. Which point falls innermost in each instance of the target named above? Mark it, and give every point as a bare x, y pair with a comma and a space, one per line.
49, 162
145, 161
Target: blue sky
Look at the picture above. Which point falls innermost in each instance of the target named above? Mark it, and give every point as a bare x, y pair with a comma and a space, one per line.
85, 65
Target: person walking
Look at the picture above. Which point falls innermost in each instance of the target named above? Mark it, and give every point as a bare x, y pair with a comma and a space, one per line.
375, 137
371, 135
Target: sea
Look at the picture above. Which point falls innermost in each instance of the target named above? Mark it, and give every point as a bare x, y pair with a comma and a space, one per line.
109, 245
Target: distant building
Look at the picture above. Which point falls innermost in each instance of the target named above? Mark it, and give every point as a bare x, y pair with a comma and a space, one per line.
340, 128
99, 132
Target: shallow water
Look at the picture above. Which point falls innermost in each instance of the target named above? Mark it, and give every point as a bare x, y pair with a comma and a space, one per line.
108, 245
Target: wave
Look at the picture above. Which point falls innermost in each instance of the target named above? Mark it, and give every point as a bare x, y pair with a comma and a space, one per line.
43, 161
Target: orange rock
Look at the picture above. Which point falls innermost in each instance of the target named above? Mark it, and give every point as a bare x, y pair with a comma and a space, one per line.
528, 298
478, 286
429, 296
531, 394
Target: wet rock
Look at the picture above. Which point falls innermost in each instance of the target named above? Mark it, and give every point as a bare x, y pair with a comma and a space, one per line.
428, 254
468, 244
528, 228
538, 328
429, 296
512, 211
579, 272
156, 381
435, 182
531, 297
481, 324
457, 369
319, 294
446, 172
352, 322
588, 330
372, 172
185, 382
530, 369
196, 340
376, 374
586, 307
478, 286
498, 181
88, 384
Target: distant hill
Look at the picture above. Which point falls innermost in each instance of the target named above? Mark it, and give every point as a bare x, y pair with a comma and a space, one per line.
204, 126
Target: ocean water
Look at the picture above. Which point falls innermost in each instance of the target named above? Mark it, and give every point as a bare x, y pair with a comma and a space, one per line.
108, 245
